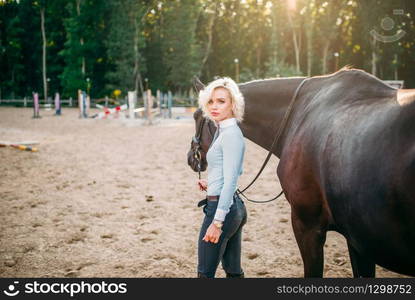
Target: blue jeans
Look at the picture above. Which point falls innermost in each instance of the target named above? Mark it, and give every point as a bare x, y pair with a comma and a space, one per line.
228, 249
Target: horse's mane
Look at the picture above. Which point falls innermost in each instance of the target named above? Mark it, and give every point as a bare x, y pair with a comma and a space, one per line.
344, 69
368, 76
270, 79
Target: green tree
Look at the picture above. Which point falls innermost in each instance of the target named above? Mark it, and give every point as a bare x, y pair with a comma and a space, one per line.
279, 45
226, 42
181, 53
124, 45
11, 62
84, 51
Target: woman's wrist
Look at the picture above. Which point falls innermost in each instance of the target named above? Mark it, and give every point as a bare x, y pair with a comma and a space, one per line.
218, 224
220, 214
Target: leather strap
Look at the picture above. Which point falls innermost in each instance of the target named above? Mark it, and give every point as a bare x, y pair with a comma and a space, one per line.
208, 198
274, 142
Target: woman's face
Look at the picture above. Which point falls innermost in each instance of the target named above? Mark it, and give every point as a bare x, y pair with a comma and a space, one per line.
220, 105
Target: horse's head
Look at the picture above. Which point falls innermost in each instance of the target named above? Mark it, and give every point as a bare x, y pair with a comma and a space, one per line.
205, 129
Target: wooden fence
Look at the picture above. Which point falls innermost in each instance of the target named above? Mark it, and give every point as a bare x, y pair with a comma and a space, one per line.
28, 102
177, 101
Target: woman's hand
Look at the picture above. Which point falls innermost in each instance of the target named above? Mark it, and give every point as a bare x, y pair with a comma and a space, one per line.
212, 234
202, 184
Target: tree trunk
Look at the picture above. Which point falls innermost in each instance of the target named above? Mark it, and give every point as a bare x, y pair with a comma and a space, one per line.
374, 57
78, 10
274, 37
297, 53
136, 72
138, 80
396, 67
325, 55
13, 84
258, 60
296, 45
309, 48
210, 36
42, 26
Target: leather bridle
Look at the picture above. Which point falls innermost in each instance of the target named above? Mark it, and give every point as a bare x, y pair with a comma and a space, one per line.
196, 141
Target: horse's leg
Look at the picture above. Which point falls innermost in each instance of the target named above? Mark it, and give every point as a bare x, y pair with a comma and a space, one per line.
361, 265
310, 236
310, 212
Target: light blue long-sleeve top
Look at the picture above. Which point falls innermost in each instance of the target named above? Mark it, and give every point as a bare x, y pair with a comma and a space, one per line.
225, 165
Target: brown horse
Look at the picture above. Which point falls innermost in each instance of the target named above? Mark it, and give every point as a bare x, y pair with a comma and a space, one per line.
347, 163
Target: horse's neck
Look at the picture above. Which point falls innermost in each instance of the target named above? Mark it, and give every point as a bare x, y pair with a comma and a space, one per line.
266, 103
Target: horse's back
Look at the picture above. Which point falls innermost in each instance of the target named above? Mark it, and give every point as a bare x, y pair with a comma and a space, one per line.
359, 151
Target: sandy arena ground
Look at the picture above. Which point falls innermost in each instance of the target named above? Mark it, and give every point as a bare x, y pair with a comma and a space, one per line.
115, 198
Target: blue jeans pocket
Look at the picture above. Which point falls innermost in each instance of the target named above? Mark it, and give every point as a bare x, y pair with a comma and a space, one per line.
210, 208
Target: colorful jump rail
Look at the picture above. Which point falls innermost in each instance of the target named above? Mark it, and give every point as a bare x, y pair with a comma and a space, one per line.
110, 111
24, 146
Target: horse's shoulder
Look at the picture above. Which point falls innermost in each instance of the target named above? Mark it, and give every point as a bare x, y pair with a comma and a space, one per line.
360, 79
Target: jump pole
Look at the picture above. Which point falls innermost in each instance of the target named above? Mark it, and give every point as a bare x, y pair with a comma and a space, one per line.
80, 104
87, 100
36, 114
162, 107
149, 107
108, 111
159, 100
83, 105
21, 146
57, 105
169, 103
166, 109
131, 103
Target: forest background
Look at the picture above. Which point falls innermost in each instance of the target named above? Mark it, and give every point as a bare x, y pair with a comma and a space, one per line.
61, 46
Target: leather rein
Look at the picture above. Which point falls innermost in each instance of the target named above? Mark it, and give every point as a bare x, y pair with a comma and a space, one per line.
196, 140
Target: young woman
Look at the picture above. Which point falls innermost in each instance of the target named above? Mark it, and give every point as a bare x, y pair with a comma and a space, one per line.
225, 213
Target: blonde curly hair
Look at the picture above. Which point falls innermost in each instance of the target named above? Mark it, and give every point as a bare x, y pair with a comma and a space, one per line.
237, 99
